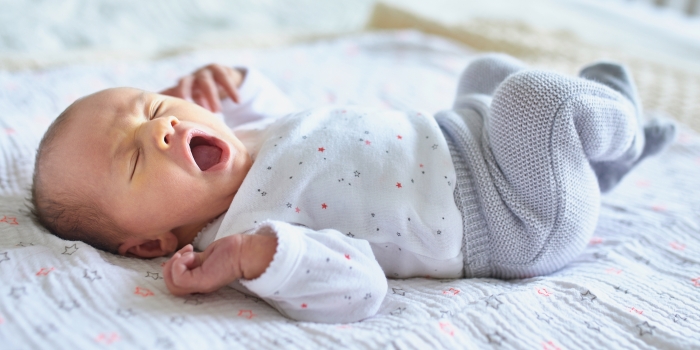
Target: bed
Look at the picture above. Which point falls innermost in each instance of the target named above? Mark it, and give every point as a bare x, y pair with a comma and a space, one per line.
636, 285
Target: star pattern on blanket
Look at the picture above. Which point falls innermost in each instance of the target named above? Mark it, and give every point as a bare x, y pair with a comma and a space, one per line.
495, 338
588, 296
68, 305
177, 320
621, 289
69, 250
398, 291
645, 328
493, 302
679, 317
164, 343
230, 335
543, 317
4, 257
154, 275
91, 275
398, 311
45, 330
125, 313
592, 325
17, 292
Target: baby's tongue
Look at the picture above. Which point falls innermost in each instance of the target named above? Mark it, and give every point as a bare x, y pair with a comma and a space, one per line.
206, 156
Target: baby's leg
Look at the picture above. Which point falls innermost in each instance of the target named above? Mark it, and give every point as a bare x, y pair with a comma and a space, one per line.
650, 138
484, 74
542, 132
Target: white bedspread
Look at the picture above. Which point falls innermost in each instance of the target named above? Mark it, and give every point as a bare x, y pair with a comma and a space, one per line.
636, 286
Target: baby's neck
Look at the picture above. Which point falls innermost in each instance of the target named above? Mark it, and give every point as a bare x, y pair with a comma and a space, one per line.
186, 234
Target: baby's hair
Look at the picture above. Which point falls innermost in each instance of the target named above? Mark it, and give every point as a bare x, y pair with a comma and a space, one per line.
68, 214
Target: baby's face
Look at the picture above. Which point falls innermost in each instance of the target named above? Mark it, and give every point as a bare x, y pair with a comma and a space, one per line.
154, 163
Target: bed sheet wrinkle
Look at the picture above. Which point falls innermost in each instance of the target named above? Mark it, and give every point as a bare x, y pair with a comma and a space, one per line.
635, 286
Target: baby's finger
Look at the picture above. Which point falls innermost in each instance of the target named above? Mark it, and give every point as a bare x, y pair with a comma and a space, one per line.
200, 100
222, 76
185, 249
184, 87
207, 85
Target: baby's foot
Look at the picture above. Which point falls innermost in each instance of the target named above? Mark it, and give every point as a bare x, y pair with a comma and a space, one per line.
617, 77
659, 133
485, 73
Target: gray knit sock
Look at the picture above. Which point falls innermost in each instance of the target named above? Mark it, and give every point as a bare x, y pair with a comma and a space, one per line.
650, 139
484, 74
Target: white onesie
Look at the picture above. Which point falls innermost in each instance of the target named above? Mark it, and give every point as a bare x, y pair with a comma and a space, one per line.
352, 194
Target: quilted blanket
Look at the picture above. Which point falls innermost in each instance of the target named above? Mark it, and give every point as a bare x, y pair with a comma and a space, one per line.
635, 286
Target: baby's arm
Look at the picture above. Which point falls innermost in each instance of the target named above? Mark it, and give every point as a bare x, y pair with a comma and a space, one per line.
319, 276
224, 261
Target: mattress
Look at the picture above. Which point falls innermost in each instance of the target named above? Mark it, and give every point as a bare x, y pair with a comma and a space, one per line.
636, 285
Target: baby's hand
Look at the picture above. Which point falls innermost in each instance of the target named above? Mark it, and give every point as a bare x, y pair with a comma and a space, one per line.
208, 85
192, 272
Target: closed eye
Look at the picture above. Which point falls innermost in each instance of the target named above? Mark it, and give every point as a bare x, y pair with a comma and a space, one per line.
154, 114
136, 159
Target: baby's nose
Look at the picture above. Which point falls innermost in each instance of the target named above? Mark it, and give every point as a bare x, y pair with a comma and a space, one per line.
166, 130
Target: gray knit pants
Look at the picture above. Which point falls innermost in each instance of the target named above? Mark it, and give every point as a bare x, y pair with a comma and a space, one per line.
521, 141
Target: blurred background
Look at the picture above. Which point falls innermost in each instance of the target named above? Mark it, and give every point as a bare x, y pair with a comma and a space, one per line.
658, 39
40, 33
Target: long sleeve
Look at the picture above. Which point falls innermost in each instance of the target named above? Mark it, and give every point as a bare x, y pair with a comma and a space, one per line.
319, 276
259, 99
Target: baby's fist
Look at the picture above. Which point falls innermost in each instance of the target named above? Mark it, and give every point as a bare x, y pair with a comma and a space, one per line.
191, 272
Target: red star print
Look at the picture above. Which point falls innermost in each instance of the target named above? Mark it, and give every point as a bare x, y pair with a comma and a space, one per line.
2, 320
643, 183
398, 185
543, 292
143, 292
367, 143
677, 246
613, 270
550, 346
9, 219
297, 210
324, 206
9, 131
696, 281
303, 306
107, 338
246, 314
636, 310
321, 149
399, 137
451, 291
447, 328
421, 165
596, 240
44, 271
658, 208
347, 256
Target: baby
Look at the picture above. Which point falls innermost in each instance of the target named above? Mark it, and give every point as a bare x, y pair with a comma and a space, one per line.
312, 210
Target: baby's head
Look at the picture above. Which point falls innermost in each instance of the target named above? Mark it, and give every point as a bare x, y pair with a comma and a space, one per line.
135, 173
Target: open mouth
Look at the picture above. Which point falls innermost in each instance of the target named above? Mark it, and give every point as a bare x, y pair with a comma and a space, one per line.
205, 153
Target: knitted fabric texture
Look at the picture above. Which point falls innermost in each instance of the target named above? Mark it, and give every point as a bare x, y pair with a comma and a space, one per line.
527, 150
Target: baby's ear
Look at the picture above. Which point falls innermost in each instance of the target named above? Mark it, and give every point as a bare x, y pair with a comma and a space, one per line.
149, 248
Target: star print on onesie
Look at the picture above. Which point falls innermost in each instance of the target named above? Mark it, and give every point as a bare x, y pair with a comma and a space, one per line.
415, 179
323, 180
